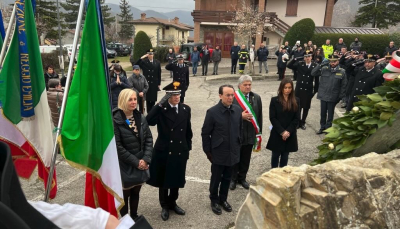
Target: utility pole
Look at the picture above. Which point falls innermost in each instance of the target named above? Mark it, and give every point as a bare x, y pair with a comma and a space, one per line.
61, 57
376, 4
158, 35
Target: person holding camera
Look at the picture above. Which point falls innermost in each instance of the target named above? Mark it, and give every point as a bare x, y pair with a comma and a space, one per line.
283, 57
332, 87
366, 78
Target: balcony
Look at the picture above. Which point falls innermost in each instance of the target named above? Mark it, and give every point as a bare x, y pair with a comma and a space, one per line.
227, 17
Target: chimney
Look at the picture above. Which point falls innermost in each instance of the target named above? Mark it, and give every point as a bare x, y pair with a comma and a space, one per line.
143, 16
176, 20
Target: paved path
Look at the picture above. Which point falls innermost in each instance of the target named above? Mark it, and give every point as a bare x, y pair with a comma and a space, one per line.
193, 198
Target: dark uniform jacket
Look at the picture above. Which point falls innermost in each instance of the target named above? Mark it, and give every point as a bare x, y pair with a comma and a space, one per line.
280, 63
132, 149
171, 150
364, 84
305, 86
262, 54
221, 134
181, 74
389, 50
152, 72
235, 52
281, 121
249, 133
332, 83
243, 53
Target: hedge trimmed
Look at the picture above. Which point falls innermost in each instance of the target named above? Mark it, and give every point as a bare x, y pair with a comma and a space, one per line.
142, 45
373, 44
302, 31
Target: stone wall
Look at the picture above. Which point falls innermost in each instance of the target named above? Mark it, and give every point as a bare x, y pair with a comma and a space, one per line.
359, 192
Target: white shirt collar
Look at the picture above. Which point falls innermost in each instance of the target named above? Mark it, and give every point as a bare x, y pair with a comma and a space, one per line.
173, 105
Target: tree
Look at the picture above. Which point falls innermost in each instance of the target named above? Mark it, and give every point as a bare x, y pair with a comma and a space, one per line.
141, 45
46, 19
126, 31
302, 31
111, 32
106, 13
380, 13
72, 9
249, 22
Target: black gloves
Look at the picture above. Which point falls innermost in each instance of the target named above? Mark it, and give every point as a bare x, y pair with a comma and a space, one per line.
164, 99
209, 157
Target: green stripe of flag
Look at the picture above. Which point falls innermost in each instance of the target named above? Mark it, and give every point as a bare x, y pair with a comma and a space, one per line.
88, 126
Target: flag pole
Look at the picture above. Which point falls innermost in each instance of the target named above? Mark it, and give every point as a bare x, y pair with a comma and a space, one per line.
66, 90
7, 37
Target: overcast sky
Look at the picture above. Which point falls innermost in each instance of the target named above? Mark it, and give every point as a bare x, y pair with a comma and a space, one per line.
160, 5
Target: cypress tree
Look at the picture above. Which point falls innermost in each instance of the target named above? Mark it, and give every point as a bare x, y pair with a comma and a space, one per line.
126, 31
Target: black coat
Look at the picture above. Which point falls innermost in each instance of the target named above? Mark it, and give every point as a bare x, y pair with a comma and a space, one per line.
205, 55
305, 86
48, 76
364, 83
221, 134
249, 133
262, 54
235, 52
280, 63
132, 149
332, 83
180, 74
171, 150
152, 72
117, 88
281, 121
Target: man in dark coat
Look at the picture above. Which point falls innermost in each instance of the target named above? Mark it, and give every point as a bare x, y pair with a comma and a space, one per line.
170, 58
139, 83
340, 45
306, 86
171, 150
390, 49
249, 132
181, 74
151, 69
205, 58
234, 57
221, 135
331, 89
366, 79
281, 62
262, 56
297, 54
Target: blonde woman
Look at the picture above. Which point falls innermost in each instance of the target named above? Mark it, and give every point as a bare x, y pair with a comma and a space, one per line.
134, 145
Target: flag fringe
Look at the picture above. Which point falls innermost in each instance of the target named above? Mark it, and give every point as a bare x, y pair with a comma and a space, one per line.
93, 173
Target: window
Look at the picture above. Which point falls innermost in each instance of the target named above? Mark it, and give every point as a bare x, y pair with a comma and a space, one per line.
291, 8
183, 34
167, 27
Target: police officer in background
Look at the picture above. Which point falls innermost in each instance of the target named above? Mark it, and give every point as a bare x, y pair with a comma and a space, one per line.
151, 69
171, 150
332, 87
180, 74
367, 77
306, 86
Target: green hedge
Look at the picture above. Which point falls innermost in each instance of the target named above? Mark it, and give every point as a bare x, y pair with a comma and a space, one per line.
142, 45
161, 53
302, 31
396, 38
373, 44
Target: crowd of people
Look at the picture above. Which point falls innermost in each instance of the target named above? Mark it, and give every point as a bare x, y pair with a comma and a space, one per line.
232, 128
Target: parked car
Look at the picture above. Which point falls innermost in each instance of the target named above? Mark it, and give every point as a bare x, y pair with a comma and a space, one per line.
187, 49
119, 48
111, 53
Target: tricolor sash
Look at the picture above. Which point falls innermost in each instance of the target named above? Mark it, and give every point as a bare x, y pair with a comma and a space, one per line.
245, 105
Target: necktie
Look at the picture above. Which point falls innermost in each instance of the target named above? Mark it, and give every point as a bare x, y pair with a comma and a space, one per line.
247, 97
175, 109
180, 65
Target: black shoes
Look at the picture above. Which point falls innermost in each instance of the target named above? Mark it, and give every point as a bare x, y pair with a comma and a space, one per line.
216, 208
320, 131
178, 210
232, 185
165, 214
303, 127
244, 184
226, 206
213, 73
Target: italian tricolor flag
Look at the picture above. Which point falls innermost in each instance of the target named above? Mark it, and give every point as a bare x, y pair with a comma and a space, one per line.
25, 123
392, 70
87, 137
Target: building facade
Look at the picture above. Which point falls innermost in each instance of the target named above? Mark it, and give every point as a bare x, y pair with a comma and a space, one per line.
163, 31
213, 17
